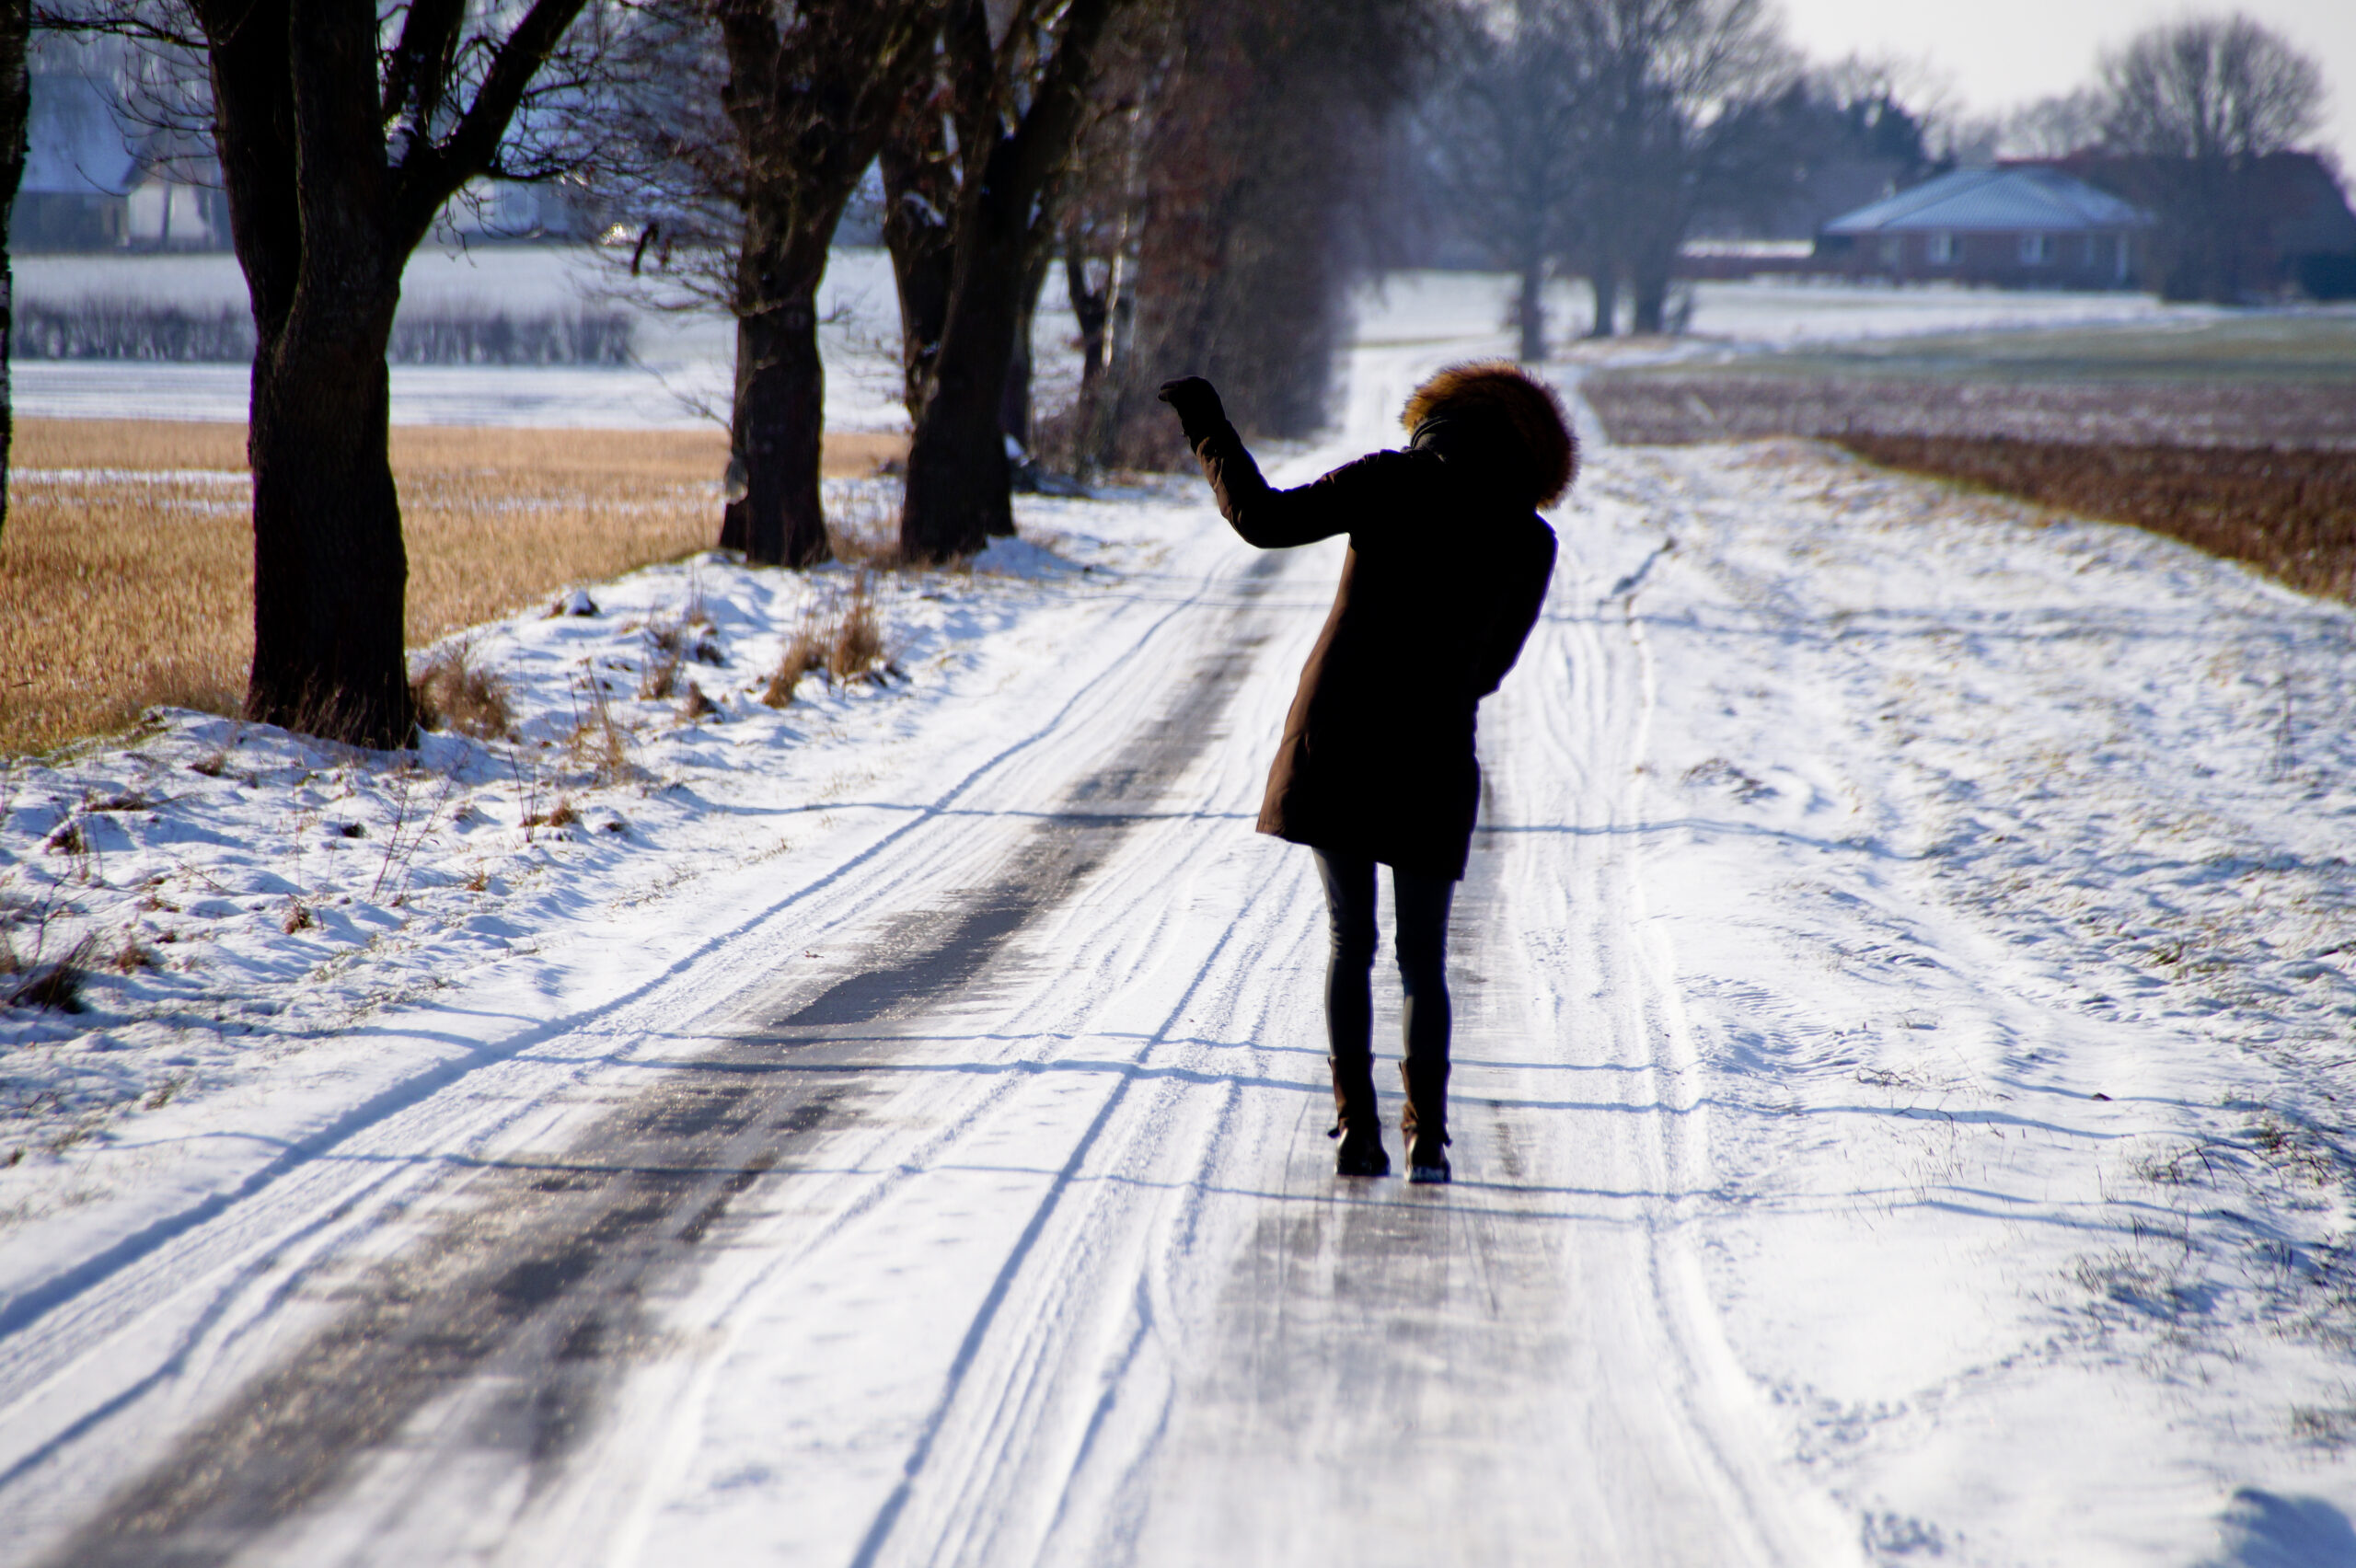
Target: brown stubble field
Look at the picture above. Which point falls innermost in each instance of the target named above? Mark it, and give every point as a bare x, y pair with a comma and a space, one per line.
126, 575
2253, 466
2290, 513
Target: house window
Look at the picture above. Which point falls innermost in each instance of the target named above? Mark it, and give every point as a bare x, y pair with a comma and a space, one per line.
1892, 250
2094, 257
2037, 249
1942, 249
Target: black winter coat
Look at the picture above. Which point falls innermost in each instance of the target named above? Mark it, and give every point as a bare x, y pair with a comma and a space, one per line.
1445, 577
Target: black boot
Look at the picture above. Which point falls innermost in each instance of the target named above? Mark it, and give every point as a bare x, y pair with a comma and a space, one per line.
1425, 1121
1358, 1123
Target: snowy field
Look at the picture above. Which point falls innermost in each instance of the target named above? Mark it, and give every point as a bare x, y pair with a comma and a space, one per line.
1902, 995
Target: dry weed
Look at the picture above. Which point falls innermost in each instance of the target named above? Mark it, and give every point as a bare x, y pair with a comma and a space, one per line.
841, 639
804, 653
454, 692
599, 742
863, 525
59, 987
565, 813
661, 677
855, 644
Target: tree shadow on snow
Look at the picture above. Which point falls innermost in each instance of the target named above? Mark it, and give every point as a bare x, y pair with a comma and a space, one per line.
2260, 1530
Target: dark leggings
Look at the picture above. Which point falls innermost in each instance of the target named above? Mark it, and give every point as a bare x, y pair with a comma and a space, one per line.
1422, 944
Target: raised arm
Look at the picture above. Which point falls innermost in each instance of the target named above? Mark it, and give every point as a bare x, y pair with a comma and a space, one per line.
1269, 518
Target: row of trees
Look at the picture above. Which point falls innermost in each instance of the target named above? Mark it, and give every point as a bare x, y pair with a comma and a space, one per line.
1207, 173
1129, 138
1589, 137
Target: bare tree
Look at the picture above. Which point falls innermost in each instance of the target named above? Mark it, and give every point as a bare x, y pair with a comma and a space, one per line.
1102, 198
1019, 88
2055, 126
1509, 133
1266, 135
2210, 88
812, 89
2193, 104
1677, 81
343, 129
16, 105
743, 129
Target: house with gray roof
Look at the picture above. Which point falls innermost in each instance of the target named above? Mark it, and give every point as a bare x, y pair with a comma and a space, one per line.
94, 182
79, 168
2018, 226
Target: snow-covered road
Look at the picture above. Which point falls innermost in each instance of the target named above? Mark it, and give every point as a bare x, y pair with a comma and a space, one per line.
1897, 922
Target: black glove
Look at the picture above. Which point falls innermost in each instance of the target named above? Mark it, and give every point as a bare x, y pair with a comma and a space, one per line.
1196, 403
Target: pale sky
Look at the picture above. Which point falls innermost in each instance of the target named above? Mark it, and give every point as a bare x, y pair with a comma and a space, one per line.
1994, 54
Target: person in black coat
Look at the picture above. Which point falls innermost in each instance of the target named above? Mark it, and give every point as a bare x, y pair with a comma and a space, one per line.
1446, 573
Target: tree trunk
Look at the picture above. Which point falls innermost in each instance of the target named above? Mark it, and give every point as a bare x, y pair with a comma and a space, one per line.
303, 162
1014, 404
958, 493
1649, 283
1093, 311
958, 487
330, 574
1604, 279
1529, 311
778, 420
15, 104
919, 196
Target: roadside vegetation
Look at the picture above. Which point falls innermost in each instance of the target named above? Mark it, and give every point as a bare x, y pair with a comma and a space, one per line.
126, 572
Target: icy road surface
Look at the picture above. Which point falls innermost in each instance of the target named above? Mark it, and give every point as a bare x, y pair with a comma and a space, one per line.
1901, 1012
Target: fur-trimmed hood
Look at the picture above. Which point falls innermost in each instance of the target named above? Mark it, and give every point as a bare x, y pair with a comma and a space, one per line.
1493, 413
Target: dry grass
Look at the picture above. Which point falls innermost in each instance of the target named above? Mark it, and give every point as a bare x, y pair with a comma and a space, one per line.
2292, 514
126, 574
599, 741
855, 642
804, 654
841, 640
456, 693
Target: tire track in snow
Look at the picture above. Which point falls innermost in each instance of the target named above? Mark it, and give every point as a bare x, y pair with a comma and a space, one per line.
156, 1327
1198, 1345
500, 1315
1522, 1364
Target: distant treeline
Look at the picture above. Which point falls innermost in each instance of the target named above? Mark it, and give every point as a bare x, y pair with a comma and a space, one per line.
103, 328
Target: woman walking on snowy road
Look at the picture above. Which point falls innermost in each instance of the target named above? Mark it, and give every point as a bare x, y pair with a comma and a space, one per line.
1446, 572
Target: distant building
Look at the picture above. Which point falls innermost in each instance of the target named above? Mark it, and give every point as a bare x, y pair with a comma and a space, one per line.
2255, 230
78, 169
2019, 225
512, 210
94, 182
88, 186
